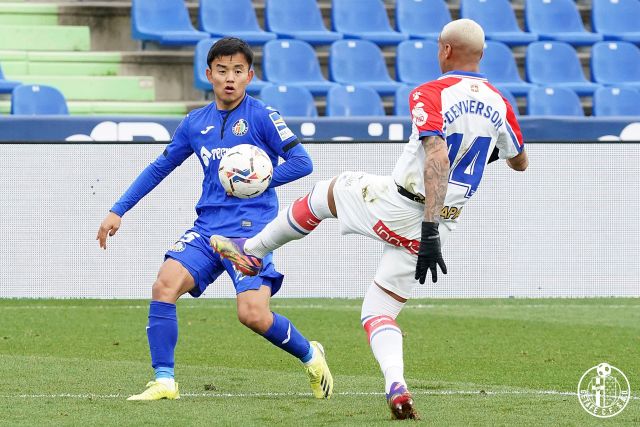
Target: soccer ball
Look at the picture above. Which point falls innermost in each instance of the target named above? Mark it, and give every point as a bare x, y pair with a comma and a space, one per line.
245, 171
603, 369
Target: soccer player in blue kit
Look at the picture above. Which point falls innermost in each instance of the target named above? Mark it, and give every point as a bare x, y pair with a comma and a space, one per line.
191, 265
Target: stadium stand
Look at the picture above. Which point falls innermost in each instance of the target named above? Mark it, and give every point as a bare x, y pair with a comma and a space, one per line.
417, 61
616, 19
499, 65
360, 62
37, 99
557, 64
350, 101
298, 19
294, 63
166, 22
558, 20
498, 21
6, 86
401, 101
616, 63
232, 18
290, 101
616, 101
422, 19
554, 101
364, 19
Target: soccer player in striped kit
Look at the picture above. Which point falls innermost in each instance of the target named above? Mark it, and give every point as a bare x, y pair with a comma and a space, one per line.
458, 121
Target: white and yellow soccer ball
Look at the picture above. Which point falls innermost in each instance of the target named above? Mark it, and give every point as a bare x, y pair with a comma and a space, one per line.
245, 171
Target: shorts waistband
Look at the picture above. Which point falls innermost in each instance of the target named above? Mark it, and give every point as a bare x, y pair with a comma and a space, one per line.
409, 195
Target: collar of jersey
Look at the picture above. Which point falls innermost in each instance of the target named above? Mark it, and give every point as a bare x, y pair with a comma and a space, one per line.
456, 73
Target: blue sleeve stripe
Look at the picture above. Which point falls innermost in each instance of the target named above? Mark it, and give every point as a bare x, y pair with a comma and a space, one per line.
431, 133
513, 138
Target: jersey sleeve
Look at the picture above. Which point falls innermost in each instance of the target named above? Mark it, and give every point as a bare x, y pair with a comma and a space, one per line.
180, 148
510, 142
425, 104
276, 133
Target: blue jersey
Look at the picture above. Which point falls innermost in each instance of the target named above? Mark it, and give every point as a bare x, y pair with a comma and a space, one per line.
209, 132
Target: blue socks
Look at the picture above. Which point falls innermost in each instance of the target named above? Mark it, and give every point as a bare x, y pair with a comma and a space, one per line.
162, 333
283, 334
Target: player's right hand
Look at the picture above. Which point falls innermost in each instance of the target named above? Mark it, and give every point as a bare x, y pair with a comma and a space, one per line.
109, 226
429, 254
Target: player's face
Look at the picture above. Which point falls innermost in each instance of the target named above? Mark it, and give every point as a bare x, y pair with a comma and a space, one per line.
229, 76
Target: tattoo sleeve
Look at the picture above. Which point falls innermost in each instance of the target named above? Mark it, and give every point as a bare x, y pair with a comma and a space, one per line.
436, 176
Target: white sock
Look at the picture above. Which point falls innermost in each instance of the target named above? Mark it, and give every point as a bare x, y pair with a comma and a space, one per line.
169, 382
293, 223
379, 311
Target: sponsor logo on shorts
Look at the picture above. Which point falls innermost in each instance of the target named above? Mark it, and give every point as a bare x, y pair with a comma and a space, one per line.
178, 247
381, 229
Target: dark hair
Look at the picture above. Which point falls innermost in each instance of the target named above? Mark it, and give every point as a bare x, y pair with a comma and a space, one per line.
229, 46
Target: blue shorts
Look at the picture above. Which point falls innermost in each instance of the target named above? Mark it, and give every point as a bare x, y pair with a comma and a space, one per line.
195, 254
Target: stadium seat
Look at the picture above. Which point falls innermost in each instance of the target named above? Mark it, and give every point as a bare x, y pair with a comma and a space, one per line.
200, 65
349, 101
290, 101
616, 101
294, 63
498, 20
6, 86
616, 19
422, 19
509, 97
557, 64
417, 61
360, 62
165, 22
364, 19
29, 100
499, 65
235, 18
616, 64
401, 101
558, 20
298, 19
553, 101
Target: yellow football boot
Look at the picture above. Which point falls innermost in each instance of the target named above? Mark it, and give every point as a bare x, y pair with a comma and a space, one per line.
319, 374
156, 391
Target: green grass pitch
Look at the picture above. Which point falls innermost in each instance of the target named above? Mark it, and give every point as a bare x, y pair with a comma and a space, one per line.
468, 363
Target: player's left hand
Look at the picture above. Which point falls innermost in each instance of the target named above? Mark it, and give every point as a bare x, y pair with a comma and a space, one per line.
429, 254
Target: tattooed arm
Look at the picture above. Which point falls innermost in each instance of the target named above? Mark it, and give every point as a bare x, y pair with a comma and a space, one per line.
436, 176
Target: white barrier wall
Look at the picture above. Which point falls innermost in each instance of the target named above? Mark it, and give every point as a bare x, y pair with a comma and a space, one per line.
567, 227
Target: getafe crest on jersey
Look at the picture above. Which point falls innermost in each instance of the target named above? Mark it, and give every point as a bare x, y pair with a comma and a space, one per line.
240, 127
281, 126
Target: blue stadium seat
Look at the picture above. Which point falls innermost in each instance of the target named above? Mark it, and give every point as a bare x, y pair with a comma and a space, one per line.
294, 63
616, 63
200, 65
616, 101
235, 18
422, 19
298, 19
364, 19
558, 20
616, 19
166, 22
499, 65
349, 101
553, 101
360, 62
401, 101
290, 101
30, 100
417, 61
509, 97
6, 86
557, 64
498, 20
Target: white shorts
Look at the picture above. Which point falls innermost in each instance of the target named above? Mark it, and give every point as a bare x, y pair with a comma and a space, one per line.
370, 205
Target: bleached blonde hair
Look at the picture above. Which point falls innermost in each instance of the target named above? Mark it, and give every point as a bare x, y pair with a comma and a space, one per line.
464, 32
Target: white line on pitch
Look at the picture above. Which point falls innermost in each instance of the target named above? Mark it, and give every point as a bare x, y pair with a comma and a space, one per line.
345, 393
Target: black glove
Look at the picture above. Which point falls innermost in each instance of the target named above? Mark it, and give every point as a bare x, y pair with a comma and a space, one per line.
429, 254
